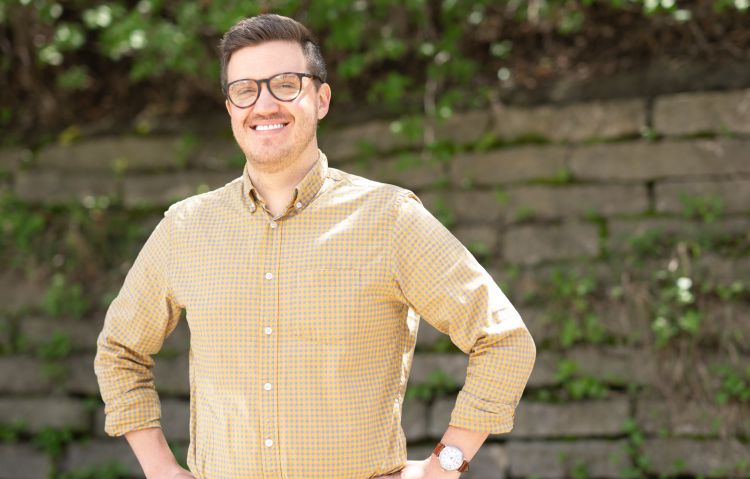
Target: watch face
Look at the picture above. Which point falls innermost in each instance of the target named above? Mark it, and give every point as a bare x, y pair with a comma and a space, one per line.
451, 458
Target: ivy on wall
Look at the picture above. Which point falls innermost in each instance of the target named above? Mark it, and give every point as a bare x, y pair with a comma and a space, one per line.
426, 57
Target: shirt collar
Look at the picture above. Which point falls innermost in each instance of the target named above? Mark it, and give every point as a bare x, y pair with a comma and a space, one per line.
304, 192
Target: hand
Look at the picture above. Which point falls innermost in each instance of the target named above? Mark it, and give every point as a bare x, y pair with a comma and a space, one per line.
427, 469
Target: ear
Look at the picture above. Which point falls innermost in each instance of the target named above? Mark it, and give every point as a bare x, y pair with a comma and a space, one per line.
229, 107
324, 100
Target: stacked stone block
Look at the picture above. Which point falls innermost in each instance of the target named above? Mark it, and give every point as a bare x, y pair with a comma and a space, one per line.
531, 191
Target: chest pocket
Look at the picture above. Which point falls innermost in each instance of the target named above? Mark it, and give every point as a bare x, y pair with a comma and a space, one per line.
328, 302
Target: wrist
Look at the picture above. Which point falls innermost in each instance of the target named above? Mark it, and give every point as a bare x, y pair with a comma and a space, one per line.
164, 471
450, 457
435, 470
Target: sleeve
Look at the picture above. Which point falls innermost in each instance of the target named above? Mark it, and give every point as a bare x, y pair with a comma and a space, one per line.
444, 283
142, 315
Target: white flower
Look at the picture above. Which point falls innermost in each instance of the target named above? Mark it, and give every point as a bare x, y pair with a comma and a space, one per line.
684, 283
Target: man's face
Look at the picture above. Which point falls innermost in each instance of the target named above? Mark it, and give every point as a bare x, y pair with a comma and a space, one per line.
293, 124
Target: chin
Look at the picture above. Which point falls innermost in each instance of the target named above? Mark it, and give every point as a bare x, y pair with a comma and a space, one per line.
271, 161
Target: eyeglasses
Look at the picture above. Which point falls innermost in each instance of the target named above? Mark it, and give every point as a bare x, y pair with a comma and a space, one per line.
284, 87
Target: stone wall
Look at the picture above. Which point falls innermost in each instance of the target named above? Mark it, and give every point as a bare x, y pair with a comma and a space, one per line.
590, 216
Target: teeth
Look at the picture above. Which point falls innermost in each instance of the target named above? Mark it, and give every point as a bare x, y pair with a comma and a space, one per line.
269, 127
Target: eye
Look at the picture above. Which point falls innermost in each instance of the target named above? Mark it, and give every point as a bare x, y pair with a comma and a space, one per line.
243, 89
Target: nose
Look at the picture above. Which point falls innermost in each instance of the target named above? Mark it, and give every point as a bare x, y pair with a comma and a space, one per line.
265, 102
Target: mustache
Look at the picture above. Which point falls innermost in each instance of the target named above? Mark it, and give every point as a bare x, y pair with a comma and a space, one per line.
257, 118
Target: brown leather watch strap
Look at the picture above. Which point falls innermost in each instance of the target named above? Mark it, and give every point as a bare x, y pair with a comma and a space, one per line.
464, 465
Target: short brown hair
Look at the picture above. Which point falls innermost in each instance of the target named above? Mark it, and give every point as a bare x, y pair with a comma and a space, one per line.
266, 28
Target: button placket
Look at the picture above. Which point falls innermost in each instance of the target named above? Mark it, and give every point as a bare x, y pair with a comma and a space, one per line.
268, 351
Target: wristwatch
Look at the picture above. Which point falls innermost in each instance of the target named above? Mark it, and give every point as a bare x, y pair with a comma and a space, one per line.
451, 458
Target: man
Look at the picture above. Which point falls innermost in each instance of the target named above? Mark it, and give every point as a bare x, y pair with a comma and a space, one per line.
299, 281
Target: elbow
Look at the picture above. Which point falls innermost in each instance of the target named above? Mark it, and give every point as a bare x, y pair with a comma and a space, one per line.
528, 348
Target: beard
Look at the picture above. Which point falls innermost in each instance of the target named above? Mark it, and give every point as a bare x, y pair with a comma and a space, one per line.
275, 154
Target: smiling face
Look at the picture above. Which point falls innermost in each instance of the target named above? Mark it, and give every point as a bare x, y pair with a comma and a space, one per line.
274, 134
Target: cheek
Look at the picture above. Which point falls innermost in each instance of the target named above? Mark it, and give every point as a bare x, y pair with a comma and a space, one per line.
238, 119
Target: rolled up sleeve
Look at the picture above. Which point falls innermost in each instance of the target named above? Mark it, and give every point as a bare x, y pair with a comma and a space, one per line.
142, 315
441, 280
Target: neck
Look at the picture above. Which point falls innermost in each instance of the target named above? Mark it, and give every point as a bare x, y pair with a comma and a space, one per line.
277, 187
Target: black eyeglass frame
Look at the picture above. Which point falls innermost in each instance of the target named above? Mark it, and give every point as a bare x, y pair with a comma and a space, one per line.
268, 86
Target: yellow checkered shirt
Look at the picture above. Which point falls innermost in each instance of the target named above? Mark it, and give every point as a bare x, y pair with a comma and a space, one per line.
303, 327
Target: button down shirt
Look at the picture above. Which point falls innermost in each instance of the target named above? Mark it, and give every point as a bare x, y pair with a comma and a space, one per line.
303, 326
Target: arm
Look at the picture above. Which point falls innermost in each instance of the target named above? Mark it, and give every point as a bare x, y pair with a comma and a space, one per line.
153, 453
445, 285
142, 315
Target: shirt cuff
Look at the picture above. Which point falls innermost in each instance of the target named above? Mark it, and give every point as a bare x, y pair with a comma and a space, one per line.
476, 414
142, 413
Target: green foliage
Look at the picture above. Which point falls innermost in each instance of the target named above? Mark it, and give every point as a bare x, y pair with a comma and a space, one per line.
54, 372
444, 213
185, 149
19, 225
593, 216
64, 298
579, 470
674, 309
93, 403
734, 385
179, 454
444, 345
69, 135
68, 246
438, 384
678, 465
634, 448
53, 441
650, 243
732, 291
480, 250
707, 208
111, 470
390, 91
578, 386
409, 127
57, 347
401, 57
656, 243
571, 309
525, 213
562, 177
407, 161
502, 196
10, 432
6, 336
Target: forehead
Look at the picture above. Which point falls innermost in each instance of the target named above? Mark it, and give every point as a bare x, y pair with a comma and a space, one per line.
265, 60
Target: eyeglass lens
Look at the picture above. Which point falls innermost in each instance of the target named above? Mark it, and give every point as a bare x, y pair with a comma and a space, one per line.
284, 87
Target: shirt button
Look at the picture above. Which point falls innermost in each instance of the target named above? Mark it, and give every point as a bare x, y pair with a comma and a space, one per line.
268, 330
267, 386
298, 205
273, 224
269, 442
269, 275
